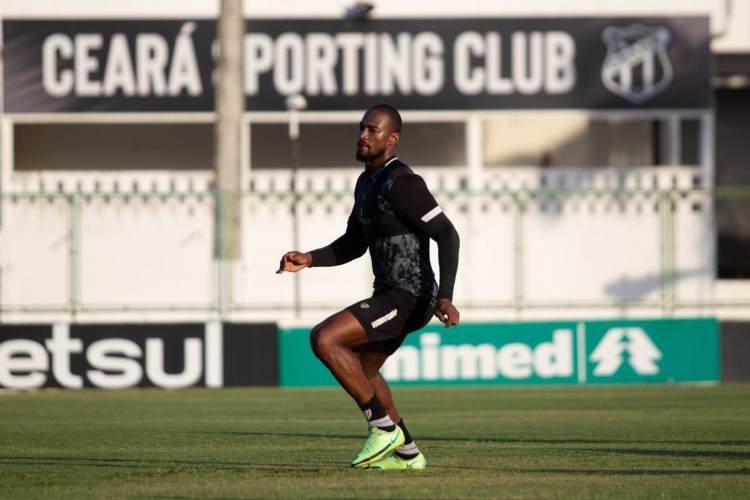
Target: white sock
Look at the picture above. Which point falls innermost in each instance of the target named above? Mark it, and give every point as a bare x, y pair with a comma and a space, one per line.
408, 450
381, 422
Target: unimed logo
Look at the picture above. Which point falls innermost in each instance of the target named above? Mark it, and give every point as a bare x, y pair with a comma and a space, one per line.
582, 353
432, 361
610, 354
621, 351
111, 363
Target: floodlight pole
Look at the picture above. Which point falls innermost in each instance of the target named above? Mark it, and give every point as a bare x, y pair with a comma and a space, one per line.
229, 105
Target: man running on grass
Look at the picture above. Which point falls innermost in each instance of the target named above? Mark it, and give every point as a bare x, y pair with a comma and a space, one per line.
394, 215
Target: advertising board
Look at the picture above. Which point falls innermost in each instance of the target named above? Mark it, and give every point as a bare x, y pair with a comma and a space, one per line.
586, 352
120, 356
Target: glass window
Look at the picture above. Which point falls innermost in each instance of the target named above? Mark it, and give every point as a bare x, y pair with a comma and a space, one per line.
568, 142
334, 145
113, 146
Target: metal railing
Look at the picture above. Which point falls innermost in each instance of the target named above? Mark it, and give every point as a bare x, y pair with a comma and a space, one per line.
81, 254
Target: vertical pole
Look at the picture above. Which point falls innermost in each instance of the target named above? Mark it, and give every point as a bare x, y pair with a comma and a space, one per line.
295, 103
667, 215
7, 153
294, 158
518, 298
707, 162
672, 141
707, 148
474, 156
229, 104
4, 144
474, 196
74, 267
221, 301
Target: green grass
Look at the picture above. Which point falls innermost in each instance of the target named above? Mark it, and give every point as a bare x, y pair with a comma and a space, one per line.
592, 442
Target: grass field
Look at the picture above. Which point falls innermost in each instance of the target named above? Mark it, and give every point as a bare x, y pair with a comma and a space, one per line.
635, 442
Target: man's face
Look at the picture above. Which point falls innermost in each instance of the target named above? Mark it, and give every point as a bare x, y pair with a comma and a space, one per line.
376, 138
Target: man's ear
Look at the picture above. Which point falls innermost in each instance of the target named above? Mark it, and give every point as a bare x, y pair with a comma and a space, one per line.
394, 137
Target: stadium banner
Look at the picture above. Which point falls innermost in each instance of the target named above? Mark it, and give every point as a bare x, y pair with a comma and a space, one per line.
585, 352
137, 65
120, 356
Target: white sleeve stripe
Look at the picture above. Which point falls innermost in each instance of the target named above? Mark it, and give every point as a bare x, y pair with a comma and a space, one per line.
431, 214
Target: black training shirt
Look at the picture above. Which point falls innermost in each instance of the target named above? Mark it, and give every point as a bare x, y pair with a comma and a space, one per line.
395, 215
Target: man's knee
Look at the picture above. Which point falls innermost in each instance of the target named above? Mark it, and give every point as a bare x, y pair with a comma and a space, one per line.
340, 330
315, 340
321, 340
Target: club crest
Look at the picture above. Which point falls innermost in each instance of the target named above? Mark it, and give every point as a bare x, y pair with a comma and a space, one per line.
637, 66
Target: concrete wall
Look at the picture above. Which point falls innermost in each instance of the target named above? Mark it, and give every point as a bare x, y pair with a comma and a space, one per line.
525, 253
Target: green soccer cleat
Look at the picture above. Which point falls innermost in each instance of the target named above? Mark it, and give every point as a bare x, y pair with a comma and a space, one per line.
378, 444
394, 462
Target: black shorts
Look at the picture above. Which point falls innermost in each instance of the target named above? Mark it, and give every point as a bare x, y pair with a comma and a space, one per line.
389, 316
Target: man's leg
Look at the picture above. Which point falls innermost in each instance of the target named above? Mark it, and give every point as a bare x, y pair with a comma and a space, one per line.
333, 341
371, 363
407, 456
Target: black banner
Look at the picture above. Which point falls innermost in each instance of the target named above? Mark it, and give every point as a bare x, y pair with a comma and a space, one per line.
735, 351
120, 356
546, 63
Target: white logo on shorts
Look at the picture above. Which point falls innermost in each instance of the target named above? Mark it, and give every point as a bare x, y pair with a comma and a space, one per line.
385, 318
364, 305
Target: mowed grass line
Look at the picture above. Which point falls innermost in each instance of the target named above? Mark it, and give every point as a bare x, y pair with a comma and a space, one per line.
480, 442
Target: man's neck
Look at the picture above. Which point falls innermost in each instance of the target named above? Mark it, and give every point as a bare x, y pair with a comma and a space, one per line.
375, 165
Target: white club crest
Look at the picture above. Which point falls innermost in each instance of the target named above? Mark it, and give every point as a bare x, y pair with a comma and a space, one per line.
637, 66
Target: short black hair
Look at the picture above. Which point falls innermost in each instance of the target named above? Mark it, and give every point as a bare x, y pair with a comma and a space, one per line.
393, 114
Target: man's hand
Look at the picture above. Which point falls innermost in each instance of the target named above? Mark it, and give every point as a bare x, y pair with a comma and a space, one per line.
447, 313
294, 261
